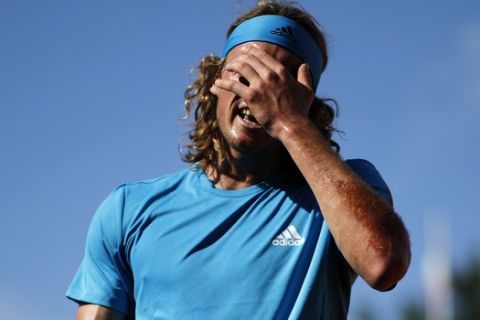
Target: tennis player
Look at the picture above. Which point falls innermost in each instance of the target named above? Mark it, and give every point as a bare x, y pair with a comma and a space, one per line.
268, 221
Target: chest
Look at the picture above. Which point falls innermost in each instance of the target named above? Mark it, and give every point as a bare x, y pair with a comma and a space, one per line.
191, 252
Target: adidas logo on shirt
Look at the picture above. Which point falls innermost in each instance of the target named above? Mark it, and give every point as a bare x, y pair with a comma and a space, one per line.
289, 237
283, 32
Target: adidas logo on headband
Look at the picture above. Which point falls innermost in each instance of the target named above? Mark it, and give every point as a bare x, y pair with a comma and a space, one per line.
285, 32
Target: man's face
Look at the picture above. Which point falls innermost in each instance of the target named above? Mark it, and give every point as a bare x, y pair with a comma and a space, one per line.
241, 134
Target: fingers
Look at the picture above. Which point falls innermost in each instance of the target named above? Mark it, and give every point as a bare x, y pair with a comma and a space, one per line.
260, 70
304, 76
267, 61
247, 66
214, 90
234, 86
256, 65
243, 69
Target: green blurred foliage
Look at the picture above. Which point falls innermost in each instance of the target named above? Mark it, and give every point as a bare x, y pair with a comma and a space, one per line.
466, 285
413, 311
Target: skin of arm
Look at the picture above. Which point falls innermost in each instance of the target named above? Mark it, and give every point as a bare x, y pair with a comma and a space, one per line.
370, 235
96, 312
368, 232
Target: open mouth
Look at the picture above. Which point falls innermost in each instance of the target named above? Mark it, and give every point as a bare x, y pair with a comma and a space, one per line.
247, 116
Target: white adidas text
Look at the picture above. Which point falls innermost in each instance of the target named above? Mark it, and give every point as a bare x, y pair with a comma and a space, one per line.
289, 237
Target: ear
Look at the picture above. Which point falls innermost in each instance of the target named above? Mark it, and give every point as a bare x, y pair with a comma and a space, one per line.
304, 77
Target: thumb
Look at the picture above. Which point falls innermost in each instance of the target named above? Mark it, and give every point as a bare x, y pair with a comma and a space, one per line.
304, 76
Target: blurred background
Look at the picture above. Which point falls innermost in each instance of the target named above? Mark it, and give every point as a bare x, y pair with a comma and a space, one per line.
91, 96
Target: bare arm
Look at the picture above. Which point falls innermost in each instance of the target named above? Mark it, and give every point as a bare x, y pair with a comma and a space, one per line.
96, 312
370, 235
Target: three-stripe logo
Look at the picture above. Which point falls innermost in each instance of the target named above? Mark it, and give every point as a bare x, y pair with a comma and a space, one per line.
286, 32
289, 237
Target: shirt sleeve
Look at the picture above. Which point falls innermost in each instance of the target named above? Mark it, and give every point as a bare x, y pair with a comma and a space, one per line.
104, 277
369, 174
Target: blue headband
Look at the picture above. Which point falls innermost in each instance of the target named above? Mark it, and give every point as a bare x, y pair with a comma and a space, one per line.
283, 32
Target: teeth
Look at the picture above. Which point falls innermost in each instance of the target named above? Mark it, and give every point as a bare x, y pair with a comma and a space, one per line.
245, 111
247, 115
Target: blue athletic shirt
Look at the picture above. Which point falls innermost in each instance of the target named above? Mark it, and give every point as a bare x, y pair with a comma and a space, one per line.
178, 248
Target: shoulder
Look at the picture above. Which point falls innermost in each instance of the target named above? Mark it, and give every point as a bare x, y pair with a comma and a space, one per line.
137, 190
142, 197
365, 169
370, 175
165, 183
360, 165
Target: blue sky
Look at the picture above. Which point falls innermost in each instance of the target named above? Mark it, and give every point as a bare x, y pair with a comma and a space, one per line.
91, 96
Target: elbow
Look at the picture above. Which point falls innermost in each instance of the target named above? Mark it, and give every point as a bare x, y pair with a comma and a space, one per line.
386, 276
391, 260
387, 271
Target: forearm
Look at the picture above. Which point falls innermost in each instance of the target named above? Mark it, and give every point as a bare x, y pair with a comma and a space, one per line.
370, 235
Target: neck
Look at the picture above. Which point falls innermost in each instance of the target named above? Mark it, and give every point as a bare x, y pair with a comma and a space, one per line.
244, 170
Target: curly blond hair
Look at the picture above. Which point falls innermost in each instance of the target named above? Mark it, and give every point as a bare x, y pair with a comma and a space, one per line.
205, 137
